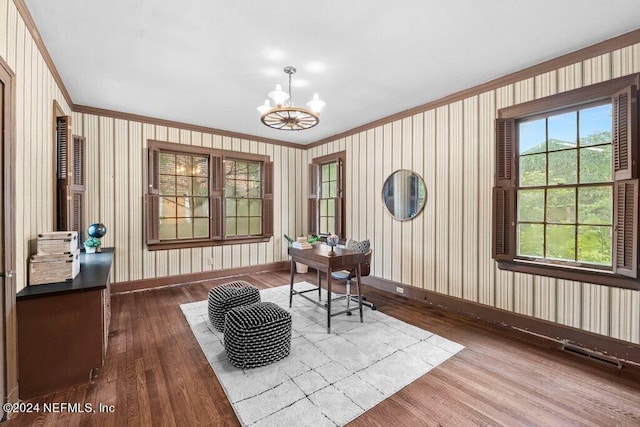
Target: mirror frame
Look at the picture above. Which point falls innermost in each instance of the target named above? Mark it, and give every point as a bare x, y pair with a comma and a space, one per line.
421, 208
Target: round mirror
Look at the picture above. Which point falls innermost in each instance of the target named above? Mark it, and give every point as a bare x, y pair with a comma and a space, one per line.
404, 194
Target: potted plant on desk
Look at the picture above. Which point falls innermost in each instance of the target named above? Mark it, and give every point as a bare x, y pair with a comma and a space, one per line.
91, 244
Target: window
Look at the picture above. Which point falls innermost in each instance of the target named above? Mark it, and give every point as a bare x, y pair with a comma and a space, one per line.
326, 195
566, 193
243, 197
200, 197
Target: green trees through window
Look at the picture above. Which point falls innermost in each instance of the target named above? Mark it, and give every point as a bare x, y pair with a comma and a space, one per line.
564, 199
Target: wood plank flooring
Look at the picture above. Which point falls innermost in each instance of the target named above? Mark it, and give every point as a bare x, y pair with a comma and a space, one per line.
156, 374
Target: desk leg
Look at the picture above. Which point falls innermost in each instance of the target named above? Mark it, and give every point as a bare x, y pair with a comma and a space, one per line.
319, 282
293, 266
359, 291
329, 300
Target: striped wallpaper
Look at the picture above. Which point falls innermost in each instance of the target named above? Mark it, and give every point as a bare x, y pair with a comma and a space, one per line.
446, 249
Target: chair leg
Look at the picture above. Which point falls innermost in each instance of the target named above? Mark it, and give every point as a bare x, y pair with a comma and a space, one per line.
359, 299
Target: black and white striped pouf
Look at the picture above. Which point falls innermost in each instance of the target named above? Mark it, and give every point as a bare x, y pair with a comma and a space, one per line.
225, 297
257, 335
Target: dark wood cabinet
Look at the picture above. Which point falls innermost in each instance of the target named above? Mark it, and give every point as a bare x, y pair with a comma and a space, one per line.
63, 328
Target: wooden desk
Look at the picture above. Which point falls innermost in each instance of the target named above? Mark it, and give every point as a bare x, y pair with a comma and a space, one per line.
319, 257
63, 328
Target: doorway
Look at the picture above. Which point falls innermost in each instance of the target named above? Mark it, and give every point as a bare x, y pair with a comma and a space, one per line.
8, 330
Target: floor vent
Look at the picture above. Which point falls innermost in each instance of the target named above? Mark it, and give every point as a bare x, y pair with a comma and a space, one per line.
611, 361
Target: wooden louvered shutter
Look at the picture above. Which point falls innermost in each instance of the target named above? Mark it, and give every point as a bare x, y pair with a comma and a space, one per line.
503, 219
312, 201
625, 186
339, 199
152, 201
504, 192
77, 188
215, 196
625, 233
625, 134
267, 199
64, 172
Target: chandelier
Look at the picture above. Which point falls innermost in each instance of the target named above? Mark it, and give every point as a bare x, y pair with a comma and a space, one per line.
285, 115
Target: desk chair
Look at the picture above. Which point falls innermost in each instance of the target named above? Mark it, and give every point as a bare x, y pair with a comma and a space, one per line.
348, 275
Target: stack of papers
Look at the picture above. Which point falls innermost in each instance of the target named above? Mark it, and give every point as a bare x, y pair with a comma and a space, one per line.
301, 245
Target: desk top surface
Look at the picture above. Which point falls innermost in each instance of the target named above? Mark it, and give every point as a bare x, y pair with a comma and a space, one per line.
320, 255
94, 275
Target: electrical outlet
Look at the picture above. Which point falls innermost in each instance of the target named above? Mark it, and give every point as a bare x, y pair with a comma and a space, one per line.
399, 290
210, 261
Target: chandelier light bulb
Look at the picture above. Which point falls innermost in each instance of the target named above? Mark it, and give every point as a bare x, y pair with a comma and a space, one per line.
279, 96
264, 107
316, 104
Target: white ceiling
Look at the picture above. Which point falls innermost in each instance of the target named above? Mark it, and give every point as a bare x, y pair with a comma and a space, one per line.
212, 62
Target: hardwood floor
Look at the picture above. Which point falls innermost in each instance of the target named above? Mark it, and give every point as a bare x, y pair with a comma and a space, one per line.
156, 374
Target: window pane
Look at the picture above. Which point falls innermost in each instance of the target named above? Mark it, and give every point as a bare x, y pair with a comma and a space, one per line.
532, 137
241, 170
201, 227
595, 125
254, 189
323, 225
326, 176
562, 167
168, 207
563, 131
561, 205
332, 171
243, 226
243, 207
533, 170
231, 207
185, 228
230, 188
594, 245
168, 185
531, 205
201, 207
242, 188
595, 164
167, 164
254, 171
331, 225
200, 186
255, 225
333, 192
231, 226
561, 242
183, 186
325, 190
323, 207
185, 207
255, 207
331, 207
595, 205
531, 240
167, 229
200, 166
183, 165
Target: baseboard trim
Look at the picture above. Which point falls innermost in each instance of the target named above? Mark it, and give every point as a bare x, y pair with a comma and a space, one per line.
139, 285
622, 350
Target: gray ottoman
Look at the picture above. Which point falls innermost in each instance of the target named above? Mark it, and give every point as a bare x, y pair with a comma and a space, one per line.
257, 335
225, 297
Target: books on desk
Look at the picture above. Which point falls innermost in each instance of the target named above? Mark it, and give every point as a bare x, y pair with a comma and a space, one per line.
301, 245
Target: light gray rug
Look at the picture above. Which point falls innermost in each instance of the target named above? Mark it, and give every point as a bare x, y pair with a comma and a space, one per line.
328, 379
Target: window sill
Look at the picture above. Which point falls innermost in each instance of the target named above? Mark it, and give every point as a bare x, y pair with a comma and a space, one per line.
204, 243
568, 273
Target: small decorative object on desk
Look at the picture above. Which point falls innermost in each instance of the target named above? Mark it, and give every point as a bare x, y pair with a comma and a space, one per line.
332, 241
96, 231
91, 245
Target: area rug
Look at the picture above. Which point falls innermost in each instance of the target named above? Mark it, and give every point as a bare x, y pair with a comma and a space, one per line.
328, 379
